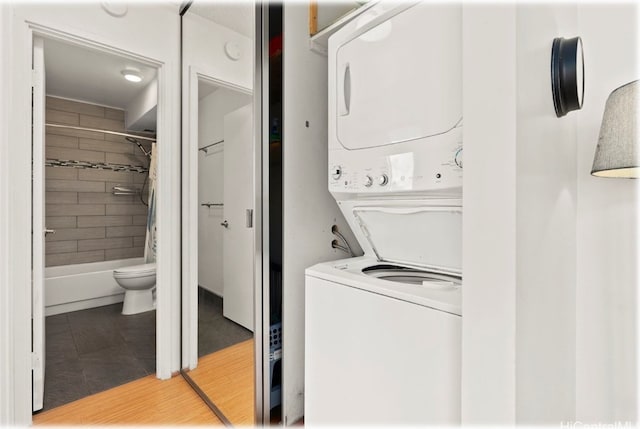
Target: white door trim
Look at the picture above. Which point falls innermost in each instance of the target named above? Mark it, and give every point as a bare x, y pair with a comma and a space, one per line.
18, 199
190, 207
19, 221
38, 338
9, 415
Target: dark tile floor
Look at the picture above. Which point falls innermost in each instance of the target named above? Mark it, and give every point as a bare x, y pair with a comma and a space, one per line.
92, 350
215, 332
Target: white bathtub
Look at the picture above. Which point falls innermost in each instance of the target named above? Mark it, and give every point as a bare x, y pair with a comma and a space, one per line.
77, 287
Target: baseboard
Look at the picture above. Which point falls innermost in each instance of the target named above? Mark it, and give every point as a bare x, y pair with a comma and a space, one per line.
83, 305
203, 291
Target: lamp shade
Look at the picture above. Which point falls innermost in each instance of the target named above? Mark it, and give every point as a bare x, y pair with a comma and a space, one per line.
617, 153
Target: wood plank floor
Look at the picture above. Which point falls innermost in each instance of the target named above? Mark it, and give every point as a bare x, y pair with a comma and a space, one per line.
144, 401
227, 377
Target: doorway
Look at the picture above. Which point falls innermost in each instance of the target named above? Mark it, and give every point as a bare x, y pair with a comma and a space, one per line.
225, 242
94, 181
129, 35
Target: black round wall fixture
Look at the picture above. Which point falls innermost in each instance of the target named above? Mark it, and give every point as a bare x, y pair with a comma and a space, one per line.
567, 75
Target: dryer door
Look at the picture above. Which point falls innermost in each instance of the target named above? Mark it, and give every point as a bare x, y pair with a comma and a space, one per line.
398, 78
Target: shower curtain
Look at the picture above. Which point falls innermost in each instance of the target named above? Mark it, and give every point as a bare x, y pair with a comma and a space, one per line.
150, 243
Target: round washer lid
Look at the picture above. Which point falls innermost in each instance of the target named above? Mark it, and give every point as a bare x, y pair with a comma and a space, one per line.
137, 269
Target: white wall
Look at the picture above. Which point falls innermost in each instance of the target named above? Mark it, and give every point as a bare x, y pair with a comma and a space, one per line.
141, 106
204, 42
550, 253
308, 208
545, 224
210, 189
489, 219
607, 229
7, 373
211, 112
149, 33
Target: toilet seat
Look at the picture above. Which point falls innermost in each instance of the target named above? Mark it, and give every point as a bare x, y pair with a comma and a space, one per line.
135, 271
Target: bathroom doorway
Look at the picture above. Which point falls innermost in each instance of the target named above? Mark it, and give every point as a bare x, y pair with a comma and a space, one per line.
95, 126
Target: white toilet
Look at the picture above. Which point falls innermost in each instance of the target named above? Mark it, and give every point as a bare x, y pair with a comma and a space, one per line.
138, 282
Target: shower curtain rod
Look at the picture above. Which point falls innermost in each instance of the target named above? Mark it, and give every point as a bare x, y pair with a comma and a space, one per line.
73, 127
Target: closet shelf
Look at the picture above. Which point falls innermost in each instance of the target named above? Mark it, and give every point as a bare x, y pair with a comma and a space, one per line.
205, 149
319, 42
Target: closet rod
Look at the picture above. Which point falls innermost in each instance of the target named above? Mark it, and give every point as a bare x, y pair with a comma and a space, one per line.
204, 148
116, 133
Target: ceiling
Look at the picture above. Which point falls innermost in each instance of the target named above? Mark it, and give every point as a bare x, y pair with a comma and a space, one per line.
236, 15
89, 75
205, 88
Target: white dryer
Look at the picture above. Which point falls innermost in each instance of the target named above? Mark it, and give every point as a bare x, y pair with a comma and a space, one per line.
383, 331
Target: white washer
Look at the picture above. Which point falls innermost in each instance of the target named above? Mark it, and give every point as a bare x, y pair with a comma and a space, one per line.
383, 331
382, 334
379, 356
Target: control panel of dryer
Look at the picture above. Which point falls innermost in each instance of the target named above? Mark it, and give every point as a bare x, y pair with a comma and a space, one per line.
433, 165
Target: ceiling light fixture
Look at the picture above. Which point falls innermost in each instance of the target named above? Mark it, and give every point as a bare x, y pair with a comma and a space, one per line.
132, 75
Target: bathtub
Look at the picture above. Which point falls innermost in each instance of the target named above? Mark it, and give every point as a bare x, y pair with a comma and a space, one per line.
81, 286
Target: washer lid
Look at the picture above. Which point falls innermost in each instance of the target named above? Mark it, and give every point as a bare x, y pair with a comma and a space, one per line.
425, 237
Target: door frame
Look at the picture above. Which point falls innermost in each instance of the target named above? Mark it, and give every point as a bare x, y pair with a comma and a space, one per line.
262, 316
17, 372
38, 189
190, 209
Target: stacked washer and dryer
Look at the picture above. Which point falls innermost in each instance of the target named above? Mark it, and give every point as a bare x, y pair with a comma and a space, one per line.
383, 331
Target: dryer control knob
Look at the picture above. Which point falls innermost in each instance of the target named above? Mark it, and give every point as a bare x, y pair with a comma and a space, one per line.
368, 181
383, 180
336, 172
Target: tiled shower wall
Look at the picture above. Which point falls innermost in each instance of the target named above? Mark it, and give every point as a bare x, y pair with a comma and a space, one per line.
91, 223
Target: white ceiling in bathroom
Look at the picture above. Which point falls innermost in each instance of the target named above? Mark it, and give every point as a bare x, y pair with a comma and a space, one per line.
236, 15
92, 76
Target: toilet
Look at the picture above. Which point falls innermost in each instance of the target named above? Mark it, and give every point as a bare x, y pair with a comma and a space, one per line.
138, 282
